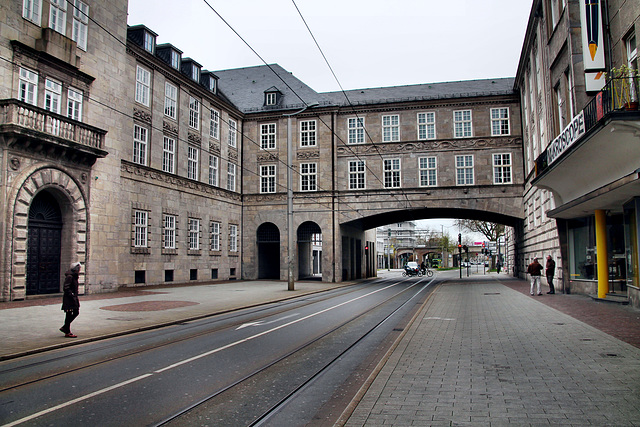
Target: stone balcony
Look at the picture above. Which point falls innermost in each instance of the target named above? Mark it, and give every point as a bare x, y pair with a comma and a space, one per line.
29, 128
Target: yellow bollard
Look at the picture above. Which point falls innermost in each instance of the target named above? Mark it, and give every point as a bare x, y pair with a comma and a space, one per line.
602, 255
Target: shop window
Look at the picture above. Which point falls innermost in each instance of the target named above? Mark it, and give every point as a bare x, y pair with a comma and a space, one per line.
140, 276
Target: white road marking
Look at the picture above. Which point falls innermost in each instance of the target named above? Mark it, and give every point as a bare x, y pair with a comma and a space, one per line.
189, 360
262, 322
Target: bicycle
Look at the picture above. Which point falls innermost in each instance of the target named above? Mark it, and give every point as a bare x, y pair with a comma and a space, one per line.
427, 272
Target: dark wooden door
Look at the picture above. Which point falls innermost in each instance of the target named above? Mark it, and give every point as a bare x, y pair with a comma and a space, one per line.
44, 245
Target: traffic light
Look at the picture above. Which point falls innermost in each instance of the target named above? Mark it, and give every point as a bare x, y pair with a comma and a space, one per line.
366, 248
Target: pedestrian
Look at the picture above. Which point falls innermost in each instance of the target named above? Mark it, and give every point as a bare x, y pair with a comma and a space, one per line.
550, 269
535, 270
70, 302
498, 266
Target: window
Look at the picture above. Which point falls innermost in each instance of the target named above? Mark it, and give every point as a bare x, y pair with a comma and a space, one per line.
464, 170
31, 10
232, 133
194, 113
632, 51
168, 155
213, 170
268, 136
141, 219
308, 177
356, 175
175, 59
169, 237
308, 133
214, 242
231, 176
58, 16
143, 86
462, 124
426, 125
428, 174
80, 24
192, 163
74, 104
52, 96
391, 128
214, 128
233, 238
140, 145
268, 179
195, 73
391, 169
356, 130
194, 234
149, 42
499, 121
502, 168
270, 98
28, 86
170, 100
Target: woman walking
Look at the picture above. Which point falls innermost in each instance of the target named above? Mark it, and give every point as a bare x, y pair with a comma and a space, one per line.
70, 302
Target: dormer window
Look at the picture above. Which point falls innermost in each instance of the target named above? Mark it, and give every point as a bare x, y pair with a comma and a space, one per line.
272, 97
210, 81
175, 59
191, 68
143, 37
149, 42
169, 54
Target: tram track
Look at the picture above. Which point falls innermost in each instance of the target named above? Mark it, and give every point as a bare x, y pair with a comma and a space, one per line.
263, 418
236, 322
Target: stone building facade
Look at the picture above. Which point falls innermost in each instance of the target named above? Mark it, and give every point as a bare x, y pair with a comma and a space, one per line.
580, 145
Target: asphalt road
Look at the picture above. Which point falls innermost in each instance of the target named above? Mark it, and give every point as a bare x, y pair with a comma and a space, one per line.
289, 363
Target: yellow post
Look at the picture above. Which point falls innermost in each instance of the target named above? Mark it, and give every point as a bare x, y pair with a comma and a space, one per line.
601, 249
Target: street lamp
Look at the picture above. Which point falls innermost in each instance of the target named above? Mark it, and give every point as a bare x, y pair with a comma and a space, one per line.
290, 243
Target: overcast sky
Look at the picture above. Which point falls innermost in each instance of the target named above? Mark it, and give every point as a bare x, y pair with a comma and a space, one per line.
368, 43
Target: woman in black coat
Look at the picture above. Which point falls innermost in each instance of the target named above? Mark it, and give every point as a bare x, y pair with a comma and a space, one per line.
70, 302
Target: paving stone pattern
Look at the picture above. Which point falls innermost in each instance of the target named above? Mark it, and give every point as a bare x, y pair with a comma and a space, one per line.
483, 354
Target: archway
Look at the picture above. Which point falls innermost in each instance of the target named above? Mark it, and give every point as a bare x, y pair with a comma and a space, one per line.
309, 251
44, 245
268, 237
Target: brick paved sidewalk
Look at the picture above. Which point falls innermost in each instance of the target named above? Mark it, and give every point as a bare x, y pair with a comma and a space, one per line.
482, 354
620, 321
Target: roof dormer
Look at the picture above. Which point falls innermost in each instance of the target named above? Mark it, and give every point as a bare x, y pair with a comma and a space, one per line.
169, 54
143, 37
272, 97
191, 69
210, 81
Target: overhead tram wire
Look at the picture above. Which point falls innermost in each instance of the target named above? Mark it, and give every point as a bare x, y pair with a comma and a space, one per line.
347, 98
301, 99
326, 205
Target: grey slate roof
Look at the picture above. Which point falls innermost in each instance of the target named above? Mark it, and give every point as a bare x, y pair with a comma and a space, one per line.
428, 91
245, 87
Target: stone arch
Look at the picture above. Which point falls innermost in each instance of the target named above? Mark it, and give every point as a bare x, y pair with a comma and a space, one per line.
268, 240
309, 250
72, 200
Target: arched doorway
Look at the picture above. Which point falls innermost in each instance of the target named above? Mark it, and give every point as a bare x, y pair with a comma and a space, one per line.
309, 251
44, 245
268, 237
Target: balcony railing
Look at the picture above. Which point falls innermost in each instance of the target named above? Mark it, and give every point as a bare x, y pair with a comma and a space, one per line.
619, 94
25, 117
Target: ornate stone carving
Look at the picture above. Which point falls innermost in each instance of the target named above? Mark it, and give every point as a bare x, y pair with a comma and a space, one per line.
426, 146
233, 155
214, 147
170, 128
306, 155
267, 157
14, 163
142, 115
194, 138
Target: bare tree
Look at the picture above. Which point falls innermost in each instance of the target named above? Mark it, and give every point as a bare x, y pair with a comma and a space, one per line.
489, 230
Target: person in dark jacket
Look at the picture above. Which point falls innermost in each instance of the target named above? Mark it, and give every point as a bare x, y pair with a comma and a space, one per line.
70, 302
549, 271
535, 270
